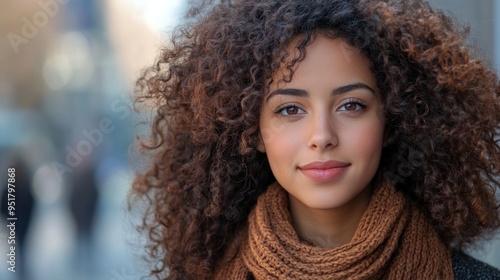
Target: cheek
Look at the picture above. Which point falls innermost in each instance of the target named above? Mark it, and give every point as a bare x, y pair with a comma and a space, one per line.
281, 142
271, 130
366, 142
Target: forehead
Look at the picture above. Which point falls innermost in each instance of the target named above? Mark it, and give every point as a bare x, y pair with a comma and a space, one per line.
322, 58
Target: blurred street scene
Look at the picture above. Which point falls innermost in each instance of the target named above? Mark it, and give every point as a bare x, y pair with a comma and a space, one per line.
67, 70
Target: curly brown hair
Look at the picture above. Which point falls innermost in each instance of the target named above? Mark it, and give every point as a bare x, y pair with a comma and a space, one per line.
205, 173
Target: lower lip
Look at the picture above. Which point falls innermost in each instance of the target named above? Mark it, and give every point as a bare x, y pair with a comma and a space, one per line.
323, 175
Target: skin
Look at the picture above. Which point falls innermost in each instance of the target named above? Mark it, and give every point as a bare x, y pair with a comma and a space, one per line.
330, 111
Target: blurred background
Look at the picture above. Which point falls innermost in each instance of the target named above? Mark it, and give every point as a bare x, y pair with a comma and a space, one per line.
67, 69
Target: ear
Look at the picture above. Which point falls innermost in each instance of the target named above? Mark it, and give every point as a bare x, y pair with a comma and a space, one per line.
260, 144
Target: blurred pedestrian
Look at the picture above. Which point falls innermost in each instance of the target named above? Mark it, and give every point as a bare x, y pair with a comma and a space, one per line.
83, 204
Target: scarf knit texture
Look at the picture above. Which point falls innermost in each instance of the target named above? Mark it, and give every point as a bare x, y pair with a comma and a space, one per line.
392, 241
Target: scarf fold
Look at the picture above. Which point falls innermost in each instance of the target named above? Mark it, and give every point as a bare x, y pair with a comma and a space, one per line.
392, 241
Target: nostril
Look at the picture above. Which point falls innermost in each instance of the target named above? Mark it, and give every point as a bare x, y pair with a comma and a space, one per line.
322, 134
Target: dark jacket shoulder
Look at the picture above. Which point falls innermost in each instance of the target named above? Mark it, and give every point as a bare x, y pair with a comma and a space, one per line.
466, 267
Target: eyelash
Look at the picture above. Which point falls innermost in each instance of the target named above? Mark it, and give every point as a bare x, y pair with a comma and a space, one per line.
283, 107
356, 102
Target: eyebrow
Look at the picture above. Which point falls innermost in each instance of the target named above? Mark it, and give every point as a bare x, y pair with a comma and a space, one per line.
303, 93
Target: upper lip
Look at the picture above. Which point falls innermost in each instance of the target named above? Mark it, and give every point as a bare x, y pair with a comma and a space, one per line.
324, 164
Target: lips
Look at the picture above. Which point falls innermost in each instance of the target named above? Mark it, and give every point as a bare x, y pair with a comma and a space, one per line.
324, 171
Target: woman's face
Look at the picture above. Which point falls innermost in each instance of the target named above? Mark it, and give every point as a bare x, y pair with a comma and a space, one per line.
323, 131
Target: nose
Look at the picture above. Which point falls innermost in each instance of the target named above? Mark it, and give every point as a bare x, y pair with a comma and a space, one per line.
322, 133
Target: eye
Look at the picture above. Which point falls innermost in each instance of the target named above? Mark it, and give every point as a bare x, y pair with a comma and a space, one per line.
289, 110
352, 106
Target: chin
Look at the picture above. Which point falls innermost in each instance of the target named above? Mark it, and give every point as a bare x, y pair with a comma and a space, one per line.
324, 203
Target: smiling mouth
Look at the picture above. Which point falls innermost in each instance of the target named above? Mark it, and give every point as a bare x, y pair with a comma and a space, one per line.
324, 171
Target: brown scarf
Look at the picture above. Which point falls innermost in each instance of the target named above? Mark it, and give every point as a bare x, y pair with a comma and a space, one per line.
393, 241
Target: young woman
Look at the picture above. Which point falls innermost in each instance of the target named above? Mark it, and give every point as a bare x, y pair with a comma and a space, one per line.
309, 139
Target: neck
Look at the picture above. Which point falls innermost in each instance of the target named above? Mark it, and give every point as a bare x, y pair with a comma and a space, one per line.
329, 228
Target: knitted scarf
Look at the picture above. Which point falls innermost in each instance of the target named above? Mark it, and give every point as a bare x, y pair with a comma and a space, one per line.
392, 241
